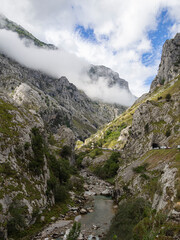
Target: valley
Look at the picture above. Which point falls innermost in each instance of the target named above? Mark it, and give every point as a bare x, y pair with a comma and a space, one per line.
67, 159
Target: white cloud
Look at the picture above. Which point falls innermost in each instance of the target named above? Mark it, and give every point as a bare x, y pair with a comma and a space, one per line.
124, 23
59, 63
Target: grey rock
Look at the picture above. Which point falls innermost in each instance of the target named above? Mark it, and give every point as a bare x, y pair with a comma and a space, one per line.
169, 67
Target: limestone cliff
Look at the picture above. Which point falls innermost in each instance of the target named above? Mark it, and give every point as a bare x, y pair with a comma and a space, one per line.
170, 62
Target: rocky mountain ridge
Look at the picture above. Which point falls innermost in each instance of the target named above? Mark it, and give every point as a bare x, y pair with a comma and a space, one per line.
112, 78
70, 107
169, 67
5, 23
58, 101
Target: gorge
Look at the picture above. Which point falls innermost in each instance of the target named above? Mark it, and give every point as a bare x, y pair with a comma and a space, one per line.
59, 148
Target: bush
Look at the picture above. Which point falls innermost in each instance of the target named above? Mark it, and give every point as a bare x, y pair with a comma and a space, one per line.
96, 152
74, 232
168, 97
37, 162
159, 98
26, 146
109, 169
128, 215
141, 168
162, 81
146, 128
17, 221
7, 170
60, 193
66, 151
59, 177
168, 133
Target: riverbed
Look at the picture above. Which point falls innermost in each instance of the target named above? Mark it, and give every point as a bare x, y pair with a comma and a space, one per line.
97, 222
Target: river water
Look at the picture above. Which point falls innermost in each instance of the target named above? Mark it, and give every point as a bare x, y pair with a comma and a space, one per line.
98, 222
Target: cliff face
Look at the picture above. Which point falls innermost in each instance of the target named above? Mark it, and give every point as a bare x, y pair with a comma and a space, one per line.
112, 78
170, 62
34, 164
58, 101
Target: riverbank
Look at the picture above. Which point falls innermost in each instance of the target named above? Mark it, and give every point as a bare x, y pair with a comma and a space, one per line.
94, 210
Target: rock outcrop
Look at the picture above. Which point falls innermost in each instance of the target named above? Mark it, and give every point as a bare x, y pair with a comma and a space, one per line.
112, 78
169, 67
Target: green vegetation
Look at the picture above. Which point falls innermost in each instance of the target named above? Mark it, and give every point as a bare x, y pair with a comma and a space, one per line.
136, 220
74, 232
109, 134
168, 132
7, 126
6, 169
168, 97
17, 221
37, 143
66, 151
95, 152
141, 169
109, 169
146, 128
59, 176
128, 216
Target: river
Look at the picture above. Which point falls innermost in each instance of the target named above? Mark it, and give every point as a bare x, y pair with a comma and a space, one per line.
98, 222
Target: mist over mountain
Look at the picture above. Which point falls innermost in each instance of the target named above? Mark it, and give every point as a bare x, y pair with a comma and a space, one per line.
34, 54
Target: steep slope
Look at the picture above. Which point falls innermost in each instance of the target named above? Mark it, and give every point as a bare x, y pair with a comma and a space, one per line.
23, 33
35, 167
70, 106
170, 62
58, 101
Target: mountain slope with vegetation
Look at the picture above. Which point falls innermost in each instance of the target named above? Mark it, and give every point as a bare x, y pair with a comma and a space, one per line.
147, 138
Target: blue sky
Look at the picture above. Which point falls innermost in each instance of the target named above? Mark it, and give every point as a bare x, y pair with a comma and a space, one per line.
158, 37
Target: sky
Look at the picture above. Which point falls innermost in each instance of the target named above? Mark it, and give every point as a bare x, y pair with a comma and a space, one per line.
126, 36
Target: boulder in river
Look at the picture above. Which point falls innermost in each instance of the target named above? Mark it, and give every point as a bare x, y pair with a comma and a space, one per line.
106, 192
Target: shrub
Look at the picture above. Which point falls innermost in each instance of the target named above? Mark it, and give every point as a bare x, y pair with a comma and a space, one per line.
96, 152
128, 215
74, 232
17, 221
60, 193
7, 170
168, 133
109, 169
26, 146
37, 143
141, 168
168, 97
146, 128
159, 98
66, 151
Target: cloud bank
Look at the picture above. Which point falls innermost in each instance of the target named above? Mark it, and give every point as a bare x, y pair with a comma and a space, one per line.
57, 63
121, 31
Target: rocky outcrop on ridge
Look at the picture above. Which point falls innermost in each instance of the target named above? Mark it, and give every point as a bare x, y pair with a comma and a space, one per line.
112, 78
170, 62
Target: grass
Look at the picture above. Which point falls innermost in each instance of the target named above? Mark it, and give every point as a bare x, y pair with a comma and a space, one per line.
7, 126
109, 134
